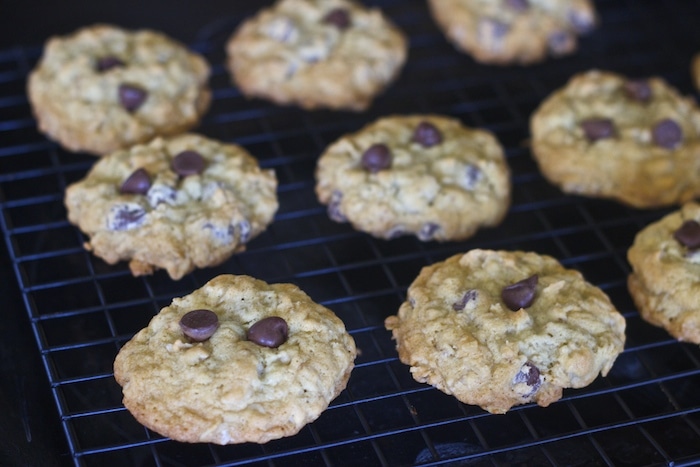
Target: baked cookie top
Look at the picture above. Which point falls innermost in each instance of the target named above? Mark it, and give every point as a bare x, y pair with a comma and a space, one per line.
238, 360
504, 32
175, 203
665, 264
633, 140
425, 175
498, 328
333, 54
103, 88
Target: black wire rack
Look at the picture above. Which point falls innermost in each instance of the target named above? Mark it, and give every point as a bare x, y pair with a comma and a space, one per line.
645, 412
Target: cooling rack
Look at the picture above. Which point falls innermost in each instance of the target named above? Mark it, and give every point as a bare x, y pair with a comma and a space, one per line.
645, 412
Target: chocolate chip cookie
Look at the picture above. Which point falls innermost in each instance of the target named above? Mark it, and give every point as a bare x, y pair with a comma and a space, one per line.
103, 88
633, 140
665, 262
333, 54
238, 360
175, 203
423, 175
498, 328
504, 32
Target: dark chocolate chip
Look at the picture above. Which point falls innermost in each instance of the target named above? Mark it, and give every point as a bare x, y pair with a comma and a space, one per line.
188, 163
688, 234
667, 134
338, 17
518, 5
468, 296
638, 90
269, 332
426, 134
131, 97
160, 193
529, 374
199, 325
125, 216
244, 230
108, 62
377, 157
334, 211
598, 128
521, 294
472, 175
137, 183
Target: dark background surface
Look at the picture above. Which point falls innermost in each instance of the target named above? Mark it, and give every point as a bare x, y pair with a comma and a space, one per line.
644, 413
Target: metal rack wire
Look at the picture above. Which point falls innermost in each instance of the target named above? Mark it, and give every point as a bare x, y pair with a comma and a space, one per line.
646, 412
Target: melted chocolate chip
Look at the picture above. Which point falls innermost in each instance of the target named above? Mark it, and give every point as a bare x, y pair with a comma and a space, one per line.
518, 5
598, 128
199, 325
426, 134
529, 375
521, 294
160, 193
131, 97
269, 332
428, 231
334, 211
468, 296
377, 157
125, 216
188, 163
472, 175
688, 234
638, 90
137, 183
667, 134
108, 62
338, 17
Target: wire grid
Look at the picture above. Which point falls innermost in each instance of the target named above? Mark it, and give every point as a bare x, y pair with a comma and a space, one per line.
645, 412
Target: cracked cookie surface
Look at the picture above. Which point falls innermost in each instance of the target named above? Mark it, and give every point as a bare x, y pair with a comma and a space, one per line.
423, 175
665, 264
505, 32
227, 388
633, 140
175, 203
333, 54
498, 329
104, 88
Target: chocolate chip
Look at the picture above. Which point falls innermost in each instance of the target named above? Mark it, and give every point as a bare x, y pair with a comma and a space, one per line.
428, 231
518, 5
491, 33
244, 230
188, 163
688, 234
131, 97
269, 332
108, 62
598, 128
125, 216
529, 375
472, 175
160, 193
199, 325
638, 90
338, 17
468, 296
667, 134
334, 211
377, 157
521, 294
426, 134
137, 183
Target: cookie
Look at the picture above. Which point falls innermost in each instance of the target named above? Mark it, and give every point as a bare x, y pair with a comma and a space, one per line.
103, 88
334, 54
636, 141
498, 328
176, 203
504, 32
423, 175
238, 360
665, 264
